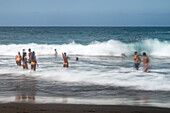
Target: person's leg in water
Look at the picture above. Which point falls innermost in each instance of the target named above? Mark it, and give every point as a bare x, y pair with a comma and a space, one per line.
67, 65
23, 66
19, 63
26, 66
146, 67
34, 67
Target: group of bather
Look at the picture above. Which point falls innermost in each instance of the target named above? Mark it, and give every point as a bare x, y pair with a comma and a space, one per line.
31, 59
33, 62
138, 60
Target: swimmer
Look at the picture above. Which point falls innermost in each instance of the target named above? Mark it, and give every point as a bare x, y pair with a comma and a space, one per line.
55, 50
146, 62
137, 59
33, 61
25, 66
29, 55
65, 58
76, 59
18, 59
123, 55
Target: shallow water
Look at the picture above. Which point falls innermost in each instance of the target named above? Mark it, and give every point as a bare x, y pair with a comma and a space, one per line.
91, 80
100, 76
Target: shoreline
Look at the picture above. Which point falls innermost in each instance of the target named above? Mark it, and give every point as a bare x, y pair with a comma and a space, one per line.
77, 108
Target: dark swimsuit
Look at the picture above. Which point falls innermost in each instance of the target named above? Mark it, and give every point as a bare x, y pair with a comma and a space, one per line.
136, 65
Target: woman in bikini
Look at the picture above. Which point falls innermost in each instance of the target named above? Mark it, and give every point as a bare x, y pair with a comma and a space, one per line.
25, 66
146, 62
18, 59
33, 61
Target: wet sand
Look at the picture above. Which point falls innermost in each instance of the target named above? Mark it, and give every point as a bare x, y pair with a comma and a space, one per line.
71, 108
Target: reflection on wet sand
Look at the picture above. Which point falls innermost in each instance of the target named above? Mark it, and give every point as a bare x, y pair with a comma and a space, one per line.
25, 89
64, 98
141, 100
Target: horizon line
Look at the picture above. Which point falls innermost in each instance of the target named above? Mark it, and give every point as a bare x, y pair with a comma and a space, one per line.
84, 26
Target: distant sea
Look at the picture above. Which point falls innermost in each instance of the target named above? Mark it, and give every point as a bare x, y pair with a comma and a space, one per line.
100, 76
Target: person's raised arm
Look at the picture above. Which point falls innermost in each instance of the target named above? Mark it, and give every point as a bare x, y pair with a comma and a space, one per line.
63, 55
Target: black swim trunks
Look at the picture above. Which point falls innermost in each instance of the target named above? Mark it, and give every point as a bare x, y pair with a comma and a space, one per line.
137, 65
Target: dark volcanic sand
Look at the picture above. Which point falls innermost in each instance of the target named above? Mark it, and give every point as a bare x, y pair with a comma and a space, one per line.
71, 108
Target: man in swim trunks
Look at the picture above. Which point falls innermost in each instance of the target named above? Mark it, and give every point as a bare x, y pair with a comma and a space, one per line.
65, 58
146, 62
18, 59
29, 55
23, 52
137, 59
33, 61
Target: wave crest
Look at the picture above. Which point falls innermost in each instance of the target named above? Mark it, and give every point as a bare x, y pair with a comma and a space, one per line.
109, 48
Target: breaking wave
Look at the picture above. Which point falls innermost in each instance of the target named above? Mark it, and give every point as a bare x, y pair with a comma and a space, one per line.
109, 48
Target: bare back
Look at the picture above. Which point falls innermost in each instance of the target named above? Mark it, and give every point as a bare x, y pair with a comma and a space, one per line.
146, 60
65, 58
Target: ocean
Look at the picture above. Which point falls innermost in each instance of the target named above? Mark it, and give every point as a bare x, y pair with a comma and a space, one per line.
101, 76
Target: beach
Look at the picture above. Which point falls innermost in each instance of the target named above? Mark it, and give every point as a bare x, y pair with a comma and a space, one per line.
72, 108
85, 56
101, 78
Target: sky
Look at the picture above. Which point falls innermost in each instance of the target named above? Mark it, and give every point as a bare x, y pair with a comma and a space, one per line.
84, 12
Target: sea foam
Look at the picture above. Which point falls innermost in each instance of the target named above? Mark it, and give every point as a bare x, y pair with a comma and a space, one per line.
108, 48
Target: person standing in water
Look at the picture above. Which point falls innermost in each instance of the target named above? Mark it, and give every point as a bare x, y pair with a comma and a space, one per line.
23, 52
137, 60
146, 62
65, 58
55, 50
25, 66
33, 61
18, 59
76, 59
29, 55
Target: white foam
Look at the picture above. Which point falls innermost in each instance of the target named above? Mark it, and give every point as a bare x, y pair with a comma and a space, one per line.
124, 77
109, 48
134, 79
